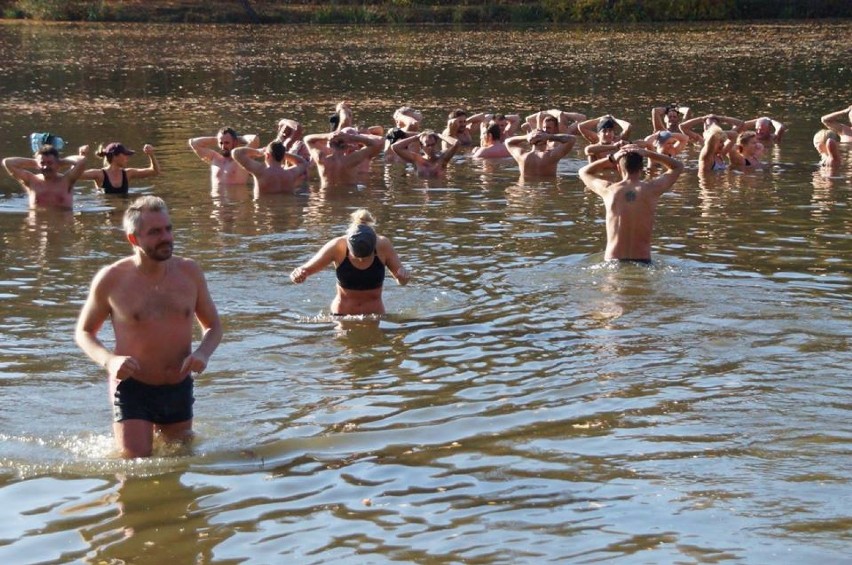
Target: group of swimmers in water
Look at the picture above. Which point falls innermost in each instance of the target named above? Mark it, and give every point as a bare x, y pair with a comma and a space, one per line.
153, 298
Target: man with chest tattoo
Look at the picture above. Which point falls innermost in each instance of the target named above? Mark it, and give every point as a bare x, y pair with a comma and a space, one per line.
153, 299
630, 202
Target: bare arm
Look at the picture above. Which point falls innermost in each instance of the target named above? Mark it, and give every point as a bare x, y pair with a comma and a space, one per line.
401, 148
95, 312
673, 166
451, 147
372, 146
595, 150
575, 118
205, 147
657, 118
20, 169
566, 143
516, 145
832, 121
589, 176
513, 125
208, 319
295, 160
153, 168
246, 158
322, 259
625, 128
686, 128
78, 165
588, 129
392, 261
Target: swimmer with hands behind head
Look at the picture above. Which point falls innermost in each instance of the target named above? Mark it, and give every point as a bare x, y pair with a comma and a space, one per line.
48, 187
630, 202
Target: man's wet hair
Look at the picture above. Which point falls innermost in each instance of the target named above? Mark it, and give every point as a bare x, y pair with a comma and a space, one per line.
230, 131
45, 150
277, 150
494, 131
633, 162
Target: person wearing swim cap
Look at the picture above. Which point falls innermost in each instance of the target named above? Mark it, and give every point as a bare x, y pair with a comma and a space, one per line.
216, 151
41, 178
603, 129
630, 202
115, 177
666, 142
360, 258
832, 122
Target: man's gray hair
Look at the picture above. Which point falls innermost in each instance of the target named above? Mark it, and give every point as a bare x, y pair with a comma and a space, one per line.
133, 214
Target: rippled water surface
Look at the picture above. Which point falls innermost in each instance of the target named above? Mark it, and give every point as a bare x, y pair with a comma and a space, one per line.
523, 402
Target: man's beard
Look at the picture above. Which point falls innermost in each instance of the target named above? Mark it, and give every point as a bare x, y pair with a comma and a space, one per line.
226, 153
162, 252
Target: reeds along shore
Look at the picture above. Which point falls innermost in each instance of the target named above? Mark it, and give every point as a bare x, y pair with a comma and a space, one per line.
409, 11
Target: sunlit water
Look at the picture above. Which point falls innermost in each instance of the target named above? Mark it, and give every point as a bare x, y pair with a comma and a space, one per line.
523, 402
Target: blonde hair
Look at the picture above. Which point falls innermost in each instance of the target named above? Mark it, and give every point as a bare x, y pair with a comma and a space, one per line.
744, 137
824, 135
361, 216
713, 133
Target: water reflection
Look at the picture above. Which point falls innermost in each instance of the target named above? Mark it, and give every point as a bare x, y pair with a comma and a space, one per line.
179, 532
523, 401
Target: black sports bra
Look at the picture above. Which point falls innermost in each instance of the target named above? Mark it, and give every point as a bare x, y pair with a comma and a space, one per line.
352, 278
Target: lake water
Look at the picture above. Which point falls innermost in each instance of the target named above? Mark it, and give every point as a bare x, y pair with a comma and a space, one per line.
523, 402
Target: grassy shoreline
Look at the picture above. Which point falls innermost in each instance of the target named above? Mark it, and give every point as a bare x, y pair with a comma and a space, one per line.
407, 11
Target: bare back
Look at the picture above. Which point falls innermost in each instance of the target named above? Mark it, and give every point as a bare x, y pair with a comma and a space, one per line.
277, 179
630, 212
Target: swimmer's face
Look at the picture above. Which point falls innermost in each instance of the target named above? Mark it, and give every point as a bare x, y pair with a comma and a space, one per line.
763, 128
607, 135
672, 118
429, 144
47, 164
551, 126
154, 236
226, 143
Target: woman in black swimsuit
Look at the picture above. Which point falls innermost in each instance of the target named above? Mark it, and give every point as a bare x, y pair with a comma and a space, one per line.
115, 177
359, 258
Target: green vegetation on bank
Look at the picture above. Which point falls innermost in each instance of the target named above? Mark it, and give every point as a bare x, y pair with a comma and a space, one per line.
409, 11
